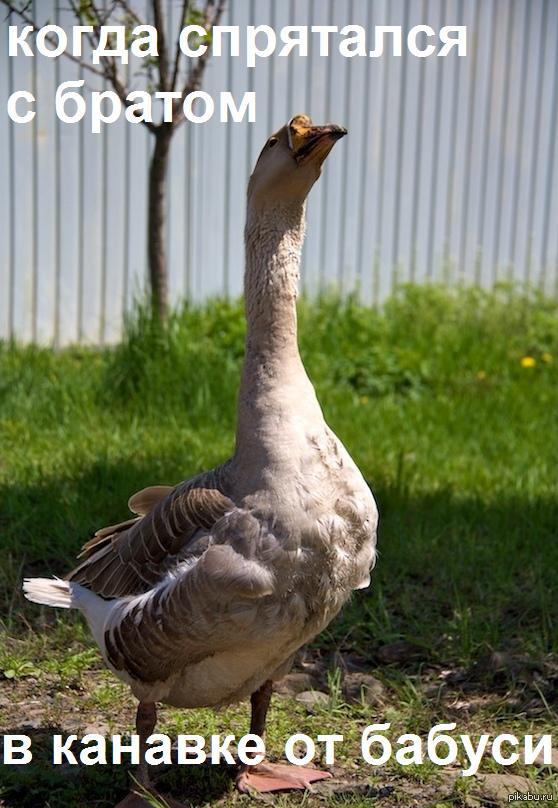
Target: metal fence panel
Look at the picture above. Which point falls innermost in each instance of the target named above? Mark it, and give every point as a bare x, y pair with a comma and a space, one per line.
450, 171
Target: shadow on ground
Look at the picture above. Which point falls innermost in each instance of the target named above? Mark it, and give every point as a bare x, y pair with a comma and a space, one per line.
40, 783
456, 574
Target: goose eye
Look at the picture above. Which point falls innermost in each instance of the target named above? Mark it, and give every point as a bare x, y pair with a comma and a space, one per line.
271, 142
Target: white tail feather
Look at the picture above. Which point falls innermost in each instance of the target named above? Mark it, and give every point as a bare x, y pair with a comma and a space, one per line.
49, 592
70, 595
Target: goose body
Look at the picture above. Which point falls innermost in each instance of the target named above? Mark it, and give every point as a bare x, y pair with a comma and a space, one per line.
267, 577
207, 593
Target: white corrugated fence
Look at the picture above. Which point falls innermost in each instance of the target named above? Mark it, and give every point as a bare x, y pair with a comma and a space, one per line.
450, 170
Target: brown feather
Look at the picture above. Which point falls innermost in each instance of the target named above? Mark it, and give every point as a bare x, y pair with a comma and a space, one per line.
145, 500
130, 558
104, 535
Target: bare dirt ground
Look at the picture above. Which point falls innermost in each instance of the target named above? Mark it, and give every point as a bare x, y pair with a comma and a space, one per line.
325, 693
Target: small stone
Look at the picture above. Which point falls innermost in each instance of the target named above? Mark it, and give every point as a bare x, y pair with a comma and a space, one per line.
496, 788
350, 663
313, 700
539, 760
32, 723
363, 687
97, 729
399, 652
33, 716
295, 683
506, 666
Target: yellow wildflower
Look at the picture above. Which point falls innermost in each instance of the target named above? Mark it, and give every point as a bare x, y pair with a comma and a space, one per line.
528, 362
481, 375
364, 399
547, 357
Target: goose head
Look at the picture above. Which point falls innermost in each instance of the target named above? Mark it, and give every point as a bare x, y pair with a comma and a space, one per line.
290, 163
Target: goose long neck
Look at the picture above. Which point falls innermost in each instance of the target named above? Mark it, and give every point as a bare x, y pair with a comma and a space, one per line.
273, 249
274, 388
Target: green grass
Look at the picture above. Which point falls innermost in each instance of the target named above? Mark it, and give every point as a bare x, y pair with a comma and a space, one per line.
457, 438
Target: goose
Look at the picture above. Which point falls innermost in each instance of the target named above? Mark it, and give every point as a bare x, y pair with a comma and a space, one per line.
203, 597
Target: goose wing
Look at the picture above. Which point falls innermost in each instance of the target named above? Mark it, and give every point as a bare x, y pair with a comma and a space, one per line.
203, 606
133, 556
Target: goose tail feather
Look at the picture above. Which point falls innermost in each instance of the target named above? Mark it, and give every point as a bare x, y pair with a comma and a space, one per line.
50, 592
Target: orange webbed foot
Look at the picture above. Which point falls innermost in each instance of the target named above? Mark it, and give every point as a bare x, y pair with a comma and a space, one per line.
265, 777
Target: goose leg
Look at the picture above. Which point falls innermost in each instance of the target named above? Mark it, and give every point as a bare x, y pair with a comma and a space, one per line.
146, 717
266, 776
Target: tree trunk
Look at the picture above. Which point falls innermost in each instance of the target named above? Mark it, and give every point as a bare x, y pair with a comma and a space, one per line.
158, 275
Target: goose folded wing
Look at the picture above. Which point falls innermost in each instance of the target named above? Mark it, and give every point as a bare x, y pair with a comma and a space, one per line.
132, 557
201, 608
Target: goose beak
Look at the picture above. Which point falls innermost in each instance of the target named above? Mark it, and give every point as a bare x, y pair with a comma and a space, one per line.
310, 143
